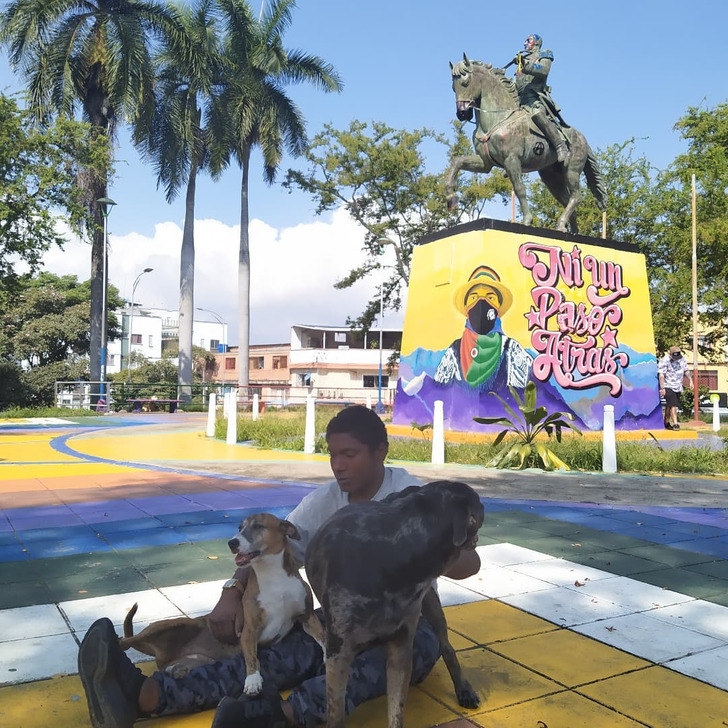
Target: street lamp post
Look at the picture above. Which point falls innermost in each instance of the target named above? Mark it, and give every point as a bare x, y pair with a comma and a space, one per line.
221, 321
106, 203
131, 322
379, 408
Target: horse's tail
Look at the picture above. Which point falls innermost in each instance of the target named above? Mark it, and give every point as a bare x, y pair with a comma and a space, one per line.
595, 181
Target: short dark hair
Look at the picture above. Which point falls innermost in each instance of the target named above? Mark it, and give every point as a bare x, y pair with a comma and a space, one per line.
360, 422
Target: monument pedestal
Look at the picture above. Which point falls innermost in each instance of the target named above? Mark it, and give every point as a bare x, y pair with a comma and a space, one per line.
493, 305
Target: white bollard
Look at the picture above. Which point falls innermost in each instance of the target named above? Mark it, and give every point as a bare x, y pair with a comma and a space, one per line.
211, 413
369, 401
226, 405
715, 399
232, 423
255, 406
309, 438
609, 444
438, 434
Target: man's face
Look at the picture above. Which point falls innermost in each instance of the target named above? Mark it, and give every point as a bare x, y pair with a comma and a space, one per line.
529, 43
357, 469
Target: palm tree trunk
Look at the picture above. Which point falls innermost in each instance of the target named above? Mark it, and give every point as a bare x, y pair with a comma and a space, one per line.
97, 191
244, 278
187, 290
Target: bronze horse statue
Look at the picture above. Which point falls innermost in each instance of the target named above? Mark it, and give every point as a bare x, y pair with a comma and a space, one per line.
506, 137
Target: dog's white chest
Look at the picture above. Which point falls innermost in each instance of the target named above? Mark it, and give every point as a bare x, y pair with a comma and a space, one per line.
283, 598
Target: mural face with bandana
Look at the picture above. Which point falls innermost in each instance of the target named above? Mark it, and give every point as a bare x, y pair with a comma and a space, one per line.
484, 355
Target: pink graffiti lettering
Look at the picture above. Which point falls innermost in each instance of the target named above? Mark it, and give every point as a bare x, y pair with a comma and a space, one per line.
554, 321
561, 265
561, 357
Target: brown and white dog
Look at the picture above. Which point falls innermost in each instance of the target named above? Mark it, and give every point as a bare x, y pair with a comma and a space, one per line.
274, 598
372, 566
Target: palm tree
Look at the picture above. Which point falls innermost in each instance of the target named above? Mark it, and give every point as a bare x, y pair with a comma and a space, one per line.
92, 54
262, 115
187, 136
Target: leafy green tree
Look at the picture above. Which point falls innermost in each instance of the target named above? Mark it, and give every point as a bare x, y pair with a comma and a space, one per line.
706, 134
187, 135
379, 176
38, 182
262, 115
96, 55
44, 333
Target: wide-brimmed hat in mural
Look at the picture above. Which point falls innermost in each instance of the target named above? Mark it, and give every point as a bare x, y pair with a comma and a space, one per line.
483, 275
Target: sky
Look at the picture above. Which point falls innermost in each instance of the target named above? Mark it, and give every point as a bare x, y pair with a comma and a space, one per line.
622, 70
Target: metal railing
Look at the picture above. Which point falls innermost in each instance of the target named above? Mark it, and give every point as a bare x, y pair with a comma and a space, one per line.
84, 395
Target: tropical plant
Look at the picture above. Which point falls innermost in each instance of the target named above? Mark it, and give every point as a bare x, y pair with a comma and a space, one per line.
262, 115
186, 136
96, 55
532, 423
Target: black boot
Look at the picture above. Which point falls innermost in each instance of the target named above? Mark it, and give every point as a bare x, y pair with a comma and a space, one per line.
111, 680
552, 132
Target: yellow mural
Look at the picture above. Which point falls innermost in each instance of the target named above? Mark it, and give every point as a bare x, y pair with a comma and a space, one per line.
491, 307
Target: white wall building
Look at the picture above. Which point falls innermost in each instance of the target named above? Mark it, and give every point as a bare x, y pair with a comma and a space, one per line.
150, 327
339, 363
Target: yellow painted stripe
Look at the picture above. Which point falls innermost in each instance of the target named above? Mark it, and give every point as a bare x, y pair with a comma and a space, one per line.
179, 446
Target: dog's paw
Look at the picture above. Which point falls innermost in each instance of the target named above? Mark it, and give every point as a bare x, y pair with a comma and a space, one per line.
253, 684
467, 697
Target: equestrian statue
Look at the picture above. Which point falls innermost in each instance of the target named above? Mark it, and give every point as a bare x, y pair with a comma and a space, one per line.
519, 128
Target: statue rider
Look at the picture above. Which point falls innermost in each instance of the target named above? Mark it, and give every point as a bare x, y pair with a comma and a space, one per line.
534, 95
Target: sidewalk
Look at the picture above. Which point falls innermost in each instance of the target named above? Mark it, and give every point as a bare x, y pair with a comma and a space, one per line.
602, 601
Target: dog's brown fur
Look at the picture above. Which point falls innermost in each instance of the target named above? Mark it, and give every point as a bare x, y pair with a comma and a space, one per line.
274, 598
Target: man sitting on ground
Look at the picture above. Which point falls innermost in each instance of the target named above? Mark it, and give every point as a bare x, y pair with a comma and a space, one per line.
118, 693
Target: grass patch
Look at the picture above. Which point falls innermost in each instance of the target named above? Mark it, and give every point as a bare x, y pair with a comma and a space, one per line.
285, 431
61, 412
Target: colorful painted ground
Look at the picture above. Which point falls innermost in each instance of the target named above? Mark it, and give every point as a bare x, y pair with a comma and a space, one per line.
582, 615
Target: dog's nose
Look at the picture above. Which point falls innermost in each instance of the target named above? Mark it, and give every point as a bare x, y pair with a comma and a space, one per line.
233, 544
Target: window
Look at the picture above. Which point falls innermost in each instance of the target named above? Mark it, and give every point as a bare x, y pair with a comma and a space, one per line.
280, 362
229, 362
214, 343
706, 378
372, 382
136, 339
306, 380
151, 340
112, 358
256, 362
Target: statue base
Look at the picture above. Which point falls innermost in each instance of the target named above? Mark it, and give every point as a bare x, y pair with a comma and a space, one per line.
493, 306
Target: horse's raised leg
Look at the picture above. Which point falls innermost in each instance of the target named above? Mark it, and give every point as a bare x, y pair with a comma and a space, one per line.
512, 166
469, 163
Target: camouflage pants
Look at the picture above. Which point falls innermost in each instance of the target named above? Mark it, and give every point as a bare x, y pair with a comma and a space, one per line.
294, 662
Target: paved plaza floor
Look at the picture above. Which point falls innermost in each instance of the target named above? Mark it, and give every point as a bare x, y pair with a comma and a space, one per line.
602, 600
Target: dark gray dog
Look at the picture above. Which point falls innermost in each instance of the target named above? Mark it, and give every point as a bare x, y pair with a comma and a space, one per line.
372, 566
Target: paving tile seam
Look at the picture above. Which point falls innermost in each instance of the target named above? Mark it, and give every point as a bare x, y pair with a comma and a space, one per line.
556, 625
628, 716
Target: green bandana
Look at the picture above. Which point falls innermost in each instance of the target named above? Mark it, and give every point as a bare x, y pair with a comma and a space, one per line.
487, 349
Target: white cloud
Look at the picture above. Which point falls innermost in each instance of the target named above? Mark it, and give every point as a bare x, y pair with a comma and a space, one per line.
293, 272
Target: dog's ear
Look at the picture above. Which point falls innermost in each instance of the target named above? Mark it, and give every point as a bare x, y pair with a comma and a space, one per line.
288, 529
459, 530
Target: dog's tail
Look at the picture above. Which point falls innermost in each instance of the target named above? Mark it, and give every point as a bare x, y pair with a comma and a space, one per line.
129, 621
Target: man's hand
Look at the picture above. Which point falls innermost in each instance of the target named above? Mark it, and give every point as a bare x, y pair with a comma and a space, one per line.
226, 618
